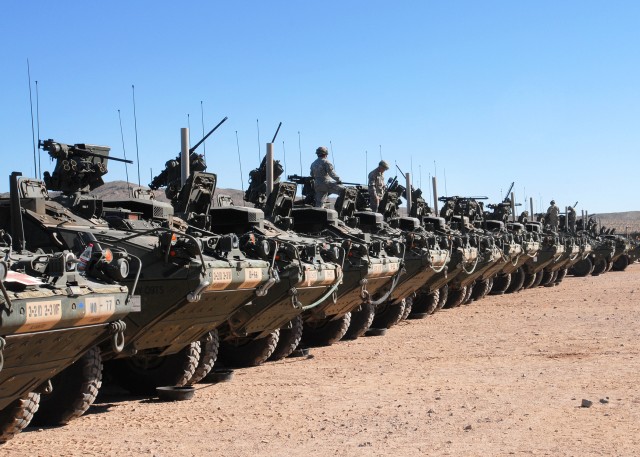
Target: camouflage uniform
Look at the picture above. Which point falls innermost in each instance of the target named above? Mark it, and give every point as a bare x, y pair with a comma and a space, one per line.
376, 188
553, 215
524, 217
571, 218
322, 171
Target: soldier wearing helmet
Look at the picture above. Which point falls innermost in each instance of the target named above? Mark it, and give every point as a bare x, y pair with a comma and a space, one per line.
553, 215
325, 179
571, 219
376, 184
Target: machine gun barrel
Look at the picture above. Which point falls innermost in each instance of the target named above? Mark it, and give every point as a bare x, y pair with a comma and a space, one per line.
276, 134
54, 149
401, 172
509, 192
207, 135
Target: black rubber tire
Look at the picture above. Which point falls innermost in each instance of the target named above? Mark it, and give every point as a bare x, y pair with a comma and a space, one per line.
424, 304
561, 274
444, 296
248, 352
455, 298
538, 279
74, 390
140, 375
326, 332
289, 339
621, 263
529, 279
17, 415
361, 320
481, 289
467, 298
609, 265
500, 284
209, 346
517, 281
388, 314
582, 268
552, 279
599, 267
408, 306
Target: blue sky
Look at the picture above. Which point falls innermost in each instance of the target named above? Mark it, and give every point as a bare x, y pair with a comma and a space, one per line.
542, 93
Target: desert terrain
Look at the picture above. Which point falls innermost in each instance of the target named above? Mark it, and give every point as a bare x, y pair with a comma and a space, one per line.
503, 376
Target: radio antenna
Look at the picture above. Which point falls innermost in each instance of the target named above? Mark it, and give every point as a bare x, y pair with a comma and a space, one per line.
284, 152
259, 155
33, 138
204, 146
380, 148
300, 151
38, 127
446, 192
332, 157
240, 162
189, 127
366, 166
124, 151
135, 125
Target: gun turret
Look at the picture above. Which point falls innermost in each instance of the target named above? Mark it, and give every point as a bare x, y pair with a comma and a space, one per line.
79, 167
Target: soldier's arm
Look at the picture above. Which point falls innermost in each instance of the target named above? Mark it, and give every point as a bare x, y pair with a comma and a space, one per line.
372, 179
331, 172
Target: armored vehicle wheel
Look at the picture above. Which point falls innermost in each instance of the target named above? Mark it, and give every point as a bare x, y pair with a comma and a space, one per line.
74, 391
517, 281
326, 332
547, 278
455, 297
621, 263
15, 417
289, 339
408, 306
424, 304
500, 284
551, 279
209, 345
388, 314
582, 268
444, 296
538, 280
561, 274
467, 298
141, 374
248, 352
361, 320
529, 279
599, 267
481, 289
609, 265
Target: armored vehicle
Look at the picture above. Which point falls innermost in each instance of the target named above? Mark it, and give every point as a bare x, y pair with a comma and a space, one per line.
189, 286
55, 311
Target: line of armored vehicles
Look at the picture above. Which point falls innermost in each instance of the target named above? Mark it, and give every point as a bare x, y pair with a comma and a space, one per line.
155, 294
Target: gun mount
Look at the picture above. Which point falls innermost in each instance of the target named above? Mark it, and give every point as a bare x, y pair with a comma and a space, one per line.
257, 191
79, 167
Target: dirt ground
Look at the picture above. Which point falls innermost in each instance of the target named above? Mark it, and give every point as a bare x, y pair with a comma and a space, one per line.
502, 376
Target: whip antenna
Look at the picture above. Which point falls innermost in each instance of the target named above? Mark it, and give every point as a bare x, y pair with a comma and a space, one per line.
189, 127
33, 138
38, 127
124, 151
332, 158
300, 151
135, 125
380, 147
366, 166
258, 127
284, 152
204, 146
240, 162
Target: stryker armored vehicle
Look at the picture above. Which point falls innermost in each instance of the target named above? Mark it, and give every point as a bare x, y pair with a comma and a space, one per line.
598, 260
494, 252
426, 254
371, 269
55, 309
189, 286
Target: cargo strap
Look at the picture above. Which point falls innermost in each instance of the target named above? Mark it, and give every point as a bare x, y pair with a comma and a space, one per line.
2, 345
116, 329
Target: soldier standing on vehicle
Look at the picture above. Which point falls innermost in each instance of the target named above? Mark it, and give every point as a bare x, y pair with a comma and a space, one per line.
571, 218
553, 215
325, 179
376, 185
524, 217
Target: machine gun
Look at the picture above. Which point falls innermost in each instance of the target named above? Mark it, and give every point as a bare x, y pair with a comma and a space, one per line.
79, 167
419, 206
171, 176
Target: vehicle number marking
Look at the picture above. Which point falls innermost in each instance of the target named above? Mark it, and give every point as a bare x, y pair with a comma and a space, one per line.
41, 315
